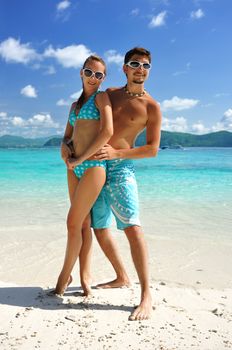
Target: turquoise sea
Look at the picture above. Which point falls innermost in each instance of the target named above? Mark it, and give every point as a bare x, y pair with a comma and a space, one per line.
182, 192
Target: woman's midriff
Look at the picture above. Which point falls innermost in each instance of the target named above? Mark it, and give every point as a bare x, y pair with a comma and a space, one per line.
84, 133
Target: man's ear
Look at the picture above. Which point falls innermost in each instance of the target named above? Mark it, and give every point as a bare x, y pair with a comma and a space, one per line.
81, 73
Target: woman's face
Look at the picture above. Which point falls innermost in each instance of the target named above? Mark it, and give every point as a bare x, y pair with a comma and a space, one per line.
93, 75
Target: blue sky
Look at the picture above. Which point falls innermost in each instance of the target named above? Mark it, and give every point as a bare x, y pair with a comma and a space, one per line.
44, 43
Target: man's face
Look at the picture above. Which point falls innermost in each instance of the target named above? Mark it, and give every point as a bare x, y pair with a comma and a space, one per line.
136, 75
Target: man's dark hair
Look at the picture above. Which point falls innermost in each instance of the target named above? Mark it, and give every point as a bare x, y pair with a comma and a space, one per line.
137, 51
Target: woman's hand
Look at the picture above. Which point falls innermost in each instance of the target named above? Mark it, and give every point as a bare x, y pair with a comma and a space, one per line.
73, 162
65, 152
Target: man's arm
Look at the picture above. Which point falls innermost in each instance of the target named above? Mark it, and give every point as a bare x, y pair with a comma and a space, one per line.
153, 129
65, 149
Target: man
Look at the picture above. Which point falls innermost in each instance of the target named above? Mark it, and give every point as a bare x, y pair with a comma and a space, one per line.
133, 110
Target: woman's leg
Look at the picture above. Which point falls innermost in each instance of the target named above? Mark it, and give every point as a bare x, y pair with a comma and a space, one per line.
83, 199
72, 185
86, 248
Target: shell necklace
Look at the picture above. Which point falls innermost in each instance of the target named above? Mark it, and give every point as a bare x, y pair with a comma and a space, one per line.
133, 94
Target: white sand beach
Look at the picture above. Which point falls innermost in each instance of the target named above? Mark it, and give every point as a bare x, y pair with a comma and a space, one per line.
190, 283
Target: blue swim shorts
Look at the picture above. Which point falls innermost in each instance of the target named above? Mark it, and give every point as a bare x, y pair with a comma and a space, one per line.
119, 197
81, 168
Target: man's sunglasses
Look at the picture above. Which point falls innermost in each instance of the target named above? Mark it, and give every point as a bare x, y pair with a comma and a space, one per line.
136, 64
89, 73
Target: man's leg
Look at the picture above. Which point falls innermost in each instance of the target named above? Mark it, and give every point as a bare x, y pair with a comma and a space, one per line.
85, 258
139, 254
109, 247
101, 216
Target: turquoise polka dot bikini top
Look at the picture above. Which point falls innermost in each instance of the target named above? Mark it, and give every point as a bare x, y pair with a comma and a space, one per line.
87, 111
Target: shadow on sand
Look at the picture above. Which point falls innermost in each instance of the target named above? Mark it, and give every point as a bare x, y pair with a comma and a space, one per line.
38, 297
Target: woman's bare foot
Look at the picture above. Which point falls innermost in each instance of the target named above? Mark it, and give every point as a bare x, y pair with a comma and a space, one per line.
117, 283
60, 290
86, 286
143, 310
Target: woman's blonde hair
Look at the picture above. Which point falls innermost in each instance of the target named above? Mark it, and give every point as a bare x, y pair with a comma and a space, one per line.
97, 58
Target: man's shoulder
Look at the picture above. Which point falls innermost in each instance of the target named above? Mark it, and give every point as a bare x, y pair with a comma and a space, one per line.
151, 102
113, 90
153, 107
73, 106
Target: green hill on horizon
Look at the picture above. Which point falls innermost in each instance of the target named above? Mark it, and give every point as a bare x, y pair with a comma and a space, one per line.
168, 140
175, 139
14, 141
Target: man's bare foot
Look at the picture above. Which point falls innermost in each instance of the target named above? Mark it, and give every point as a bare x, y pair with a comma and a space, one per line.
143, 311
117, 283
60, 291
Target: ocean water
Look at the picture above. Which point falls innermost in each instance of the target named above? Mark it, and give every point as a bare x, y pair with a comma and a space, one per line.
182, 192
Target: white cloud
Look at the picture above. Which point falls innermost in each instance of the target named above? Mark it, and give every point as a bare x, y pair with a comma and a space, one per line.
42, 120
135, 12
29, 91
11, 50
218, 127
68, 102
197, 14
180, 72
188, 65
159, 20
18, 121
206, 105
197, 2
36, 66
221, 94
76, 95
225, 123
50, 70
38, 120
63, 5
72, 56
113, 57
178, 104
178, 124
3, 115
62, 102
199, 128
228, 114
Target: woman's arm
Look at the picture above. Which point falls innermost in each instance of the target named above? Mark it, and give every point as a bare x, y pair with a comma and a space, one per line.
106, 131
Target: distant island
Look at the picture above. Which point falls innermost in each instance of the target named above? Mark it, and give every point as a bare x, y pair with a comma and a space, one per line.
168, 140
180, 139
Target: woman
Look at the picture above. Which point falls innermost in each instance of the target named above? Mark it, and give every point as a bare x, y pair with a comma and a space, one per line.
89, 127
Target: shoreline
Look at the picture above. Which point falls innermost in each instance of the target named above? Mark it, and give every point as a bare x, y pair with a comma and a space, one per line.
33, 256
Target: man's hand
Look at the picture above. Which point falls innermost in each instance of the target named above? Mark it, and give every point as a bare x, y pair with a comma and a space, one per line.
106, 152
72, 163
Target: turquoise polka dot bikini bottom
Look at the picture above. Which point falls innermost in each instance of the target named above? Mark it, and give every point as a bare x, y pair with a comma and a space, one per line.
81, 168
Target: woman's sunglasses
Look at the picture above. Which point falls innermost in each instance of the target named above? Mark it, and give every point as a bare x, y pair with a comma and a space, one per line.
89, 73
136, 64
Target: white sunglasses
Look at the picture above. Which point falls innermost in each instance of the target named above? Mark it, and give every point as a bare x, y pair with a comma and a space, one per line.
136, 64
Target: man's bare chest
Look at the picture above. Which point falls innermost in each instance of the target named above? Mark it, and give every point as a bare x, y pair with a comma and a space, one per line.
129, 112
